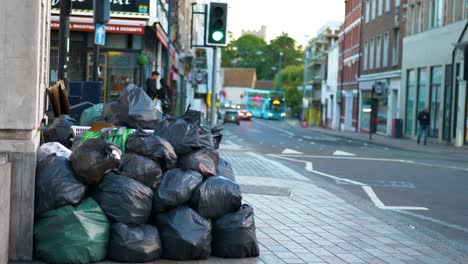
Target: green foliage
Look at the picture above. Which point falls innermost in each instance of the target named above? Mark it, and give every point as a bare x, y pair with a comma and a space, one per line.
291, 77
250, 51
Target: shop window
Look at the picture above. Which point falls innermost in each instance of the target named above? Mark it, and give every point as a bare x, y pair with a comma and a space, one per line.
436, 97
421, 92
448, 102
137, 41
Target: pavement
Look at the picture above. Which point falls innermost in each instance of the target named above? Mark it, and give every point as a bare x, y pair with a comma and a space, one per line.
402, 143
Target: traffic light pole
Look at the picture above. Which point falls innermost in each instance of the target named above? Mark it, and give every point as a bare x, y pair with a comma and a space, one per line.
213, 87
64, 39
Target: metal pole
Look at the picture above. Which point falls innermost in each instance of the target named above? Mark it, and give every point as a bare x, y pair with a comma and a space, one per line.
213, 87
64, 40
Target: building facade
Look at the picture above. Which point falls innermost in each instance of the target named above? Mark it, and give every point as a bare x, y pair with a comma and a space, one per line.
259, 33
316, 64
331, 114
432, 68
382, 32
137, 28
348, 67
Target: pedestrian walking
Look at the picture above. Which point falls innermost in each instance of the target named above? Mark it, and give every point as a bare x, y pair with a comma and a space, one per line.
424, 119
151, 85
163, 94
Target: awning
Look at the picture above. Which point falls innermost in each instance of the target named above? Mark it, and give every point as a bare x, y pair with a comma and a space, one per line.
120, 26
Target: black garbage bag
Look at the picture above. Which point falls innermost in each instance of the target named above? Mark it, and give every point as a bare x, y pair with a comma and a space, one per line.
123, 199
234, 235
215, 197
217, 135
175, 189
56, 184
133, 109
92, 158
186, 133
185, 235
60, 130
141, 169
203, 160
153, 147
225, 169
134, 244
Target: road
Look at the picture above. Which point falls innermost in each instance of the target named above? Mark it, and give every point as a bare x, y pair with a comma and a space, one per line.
421, 193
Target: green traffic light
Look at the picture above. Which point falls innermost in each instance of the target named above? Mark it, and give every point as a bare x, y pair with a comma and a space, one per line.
217, 35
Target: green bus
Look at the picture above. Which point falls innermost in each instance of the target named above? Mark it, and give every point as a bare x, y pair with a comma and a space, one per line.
267, 104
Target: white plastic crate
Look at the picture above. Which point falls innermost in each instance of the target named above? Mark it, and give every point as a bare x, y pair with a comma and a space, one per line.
79, 131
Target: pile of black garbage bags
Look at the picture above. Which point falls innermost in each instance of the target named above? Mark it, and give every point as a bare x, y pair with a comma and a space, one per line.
170, 195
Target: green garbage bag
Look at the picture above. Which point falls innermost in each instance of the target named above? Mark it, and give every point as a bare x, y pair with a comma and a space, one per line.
72, 234
117, 136
90, 115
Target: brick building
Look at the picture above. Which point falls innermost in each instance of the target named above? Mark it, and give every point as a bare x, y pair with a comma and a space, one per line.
349, 59
383, 29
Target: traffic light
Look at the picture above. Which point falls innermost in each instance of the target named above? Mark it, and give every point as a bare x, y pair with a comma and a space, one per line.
101, 10
217, 24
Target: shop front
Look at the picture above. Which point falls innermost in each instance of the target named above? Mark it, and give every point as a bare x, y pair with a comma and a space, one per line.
128, 56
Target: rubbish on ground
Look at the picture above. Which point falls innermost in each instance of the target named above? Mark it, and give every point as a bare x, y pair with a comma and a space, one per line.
203, 160
123, 199
52, 148
215, 197
72, 235
176, 188
234, 235
60, 130
185, 235
56, 185
133, 244
153, 147
141, 169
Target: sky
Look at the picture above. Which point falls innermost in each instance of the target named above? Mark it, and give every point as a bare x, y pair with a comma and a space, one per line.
298, 18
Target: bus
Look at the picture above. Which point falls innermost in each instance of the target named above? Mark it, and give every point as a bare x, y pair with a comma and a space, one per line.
267, 104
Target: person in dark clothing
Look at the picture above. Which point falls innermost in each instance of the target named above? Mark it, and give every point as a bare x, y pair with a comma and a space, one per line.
151, 85
162, 94
424, 119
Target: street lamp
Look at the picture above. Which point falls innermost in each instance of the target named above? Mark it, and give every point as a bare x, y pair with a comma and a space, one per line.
279, 71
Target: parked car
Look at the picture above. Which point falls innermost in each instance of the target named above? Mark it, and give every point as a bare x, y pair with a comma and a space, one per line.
231, 116
245, 115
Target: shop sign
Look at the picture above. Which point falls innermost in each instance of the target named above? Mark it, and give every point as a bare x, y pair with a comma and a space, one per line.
110, 28
118, 7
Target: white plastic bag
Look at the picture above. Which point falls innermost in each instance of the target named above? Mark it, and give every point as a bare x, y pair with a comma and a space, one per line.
52, 148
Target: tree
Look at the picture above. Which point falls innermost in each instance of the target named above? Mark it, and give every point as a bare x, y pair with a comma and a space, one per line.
291, 55
291, 77
250, 51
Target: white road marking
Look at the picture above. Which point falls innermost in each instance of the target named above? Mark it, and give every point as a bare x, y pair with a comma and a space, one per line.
300, 140
291, 151
378, 203
276, 128
367, 189
308, 137
312, 143
343, 153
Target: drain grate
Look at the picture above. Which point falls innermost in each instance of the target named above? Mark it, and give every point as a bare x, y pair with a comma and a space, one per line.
265, 190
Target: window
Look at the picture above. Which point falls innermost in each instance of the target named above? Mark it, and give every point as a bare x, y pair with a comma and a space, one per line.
465, 9
378, 52
410, 94
397, 3
366, 54
385, 49
436, 97
367, 10
374, 7
380, 7
436, 13
371, 56
422, 90
387, 5
416, 15
396, 46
